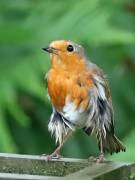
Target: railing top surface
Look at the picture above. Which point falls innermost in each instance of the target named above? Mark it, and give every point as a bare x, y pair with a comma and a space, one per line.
17, 166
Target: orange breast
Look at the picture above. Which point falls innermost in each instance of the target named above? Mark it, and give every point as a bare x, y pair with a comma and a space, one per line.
64, 86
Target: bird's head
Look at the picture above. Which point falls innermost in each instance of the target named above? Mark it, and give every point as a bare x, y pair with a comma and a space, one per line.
66, 53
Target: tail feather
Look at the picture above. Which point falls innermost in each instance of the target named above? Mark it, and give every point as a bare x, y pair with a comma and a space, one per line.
111, 144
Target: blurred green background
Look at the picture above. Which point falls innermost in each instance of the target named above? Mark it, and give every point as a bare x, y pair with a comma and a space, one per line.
107, 31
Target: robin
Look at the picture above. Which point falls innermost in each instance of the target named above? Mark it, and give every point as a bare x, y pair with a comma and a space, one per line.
80, 96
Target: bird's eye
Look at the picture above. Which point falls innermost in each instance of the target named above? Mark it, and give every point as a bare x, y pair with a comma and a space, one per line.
70, 48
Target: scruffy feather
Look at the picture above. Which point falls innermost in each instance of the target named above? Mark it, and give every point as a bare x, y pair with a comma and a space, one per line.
59, 126
111, 143
100, 119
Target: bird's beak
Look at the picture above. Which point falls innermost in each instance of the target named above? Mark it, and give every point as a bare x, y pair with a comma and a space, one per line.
48, 49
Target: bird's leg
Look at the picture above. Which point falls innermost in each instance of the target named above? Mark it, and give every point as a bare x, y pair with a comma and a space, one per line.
101, 158
56, 153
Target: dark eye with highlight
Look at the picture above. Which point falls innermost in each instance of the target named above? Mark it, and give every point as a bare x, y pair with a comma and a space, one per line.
70, 48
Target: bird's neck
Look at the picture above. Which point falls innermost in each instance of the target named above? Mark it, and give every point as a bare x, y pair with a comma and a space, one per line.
70, 65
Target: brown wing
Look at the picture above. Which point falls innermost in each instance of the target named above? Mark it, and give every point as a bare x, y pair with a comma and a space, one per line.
101, 111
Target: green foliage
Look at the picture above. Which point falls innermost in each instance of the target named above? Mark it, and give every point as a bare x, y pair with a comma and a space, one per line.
106, 30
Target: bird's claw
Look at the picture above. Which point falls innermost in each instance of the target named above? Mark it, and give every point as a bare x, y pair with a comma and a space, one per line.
52, 156
100, 158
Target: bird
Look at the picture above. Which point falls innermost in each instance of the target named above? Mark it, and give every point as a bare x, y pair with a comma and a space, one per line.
80, 96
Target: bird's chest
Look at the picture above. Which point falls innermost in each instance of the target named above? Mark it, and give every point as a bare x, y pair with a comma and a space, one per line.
70, 95
59, 87
66, 86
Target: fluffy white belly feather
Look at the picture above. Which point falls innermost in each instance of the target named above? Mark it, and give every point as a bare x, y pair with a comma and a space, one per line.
76, 116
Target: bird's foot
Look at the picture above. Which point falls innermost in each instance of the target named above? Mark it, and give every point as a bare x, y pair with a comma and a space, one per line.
54, 155
100, 158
